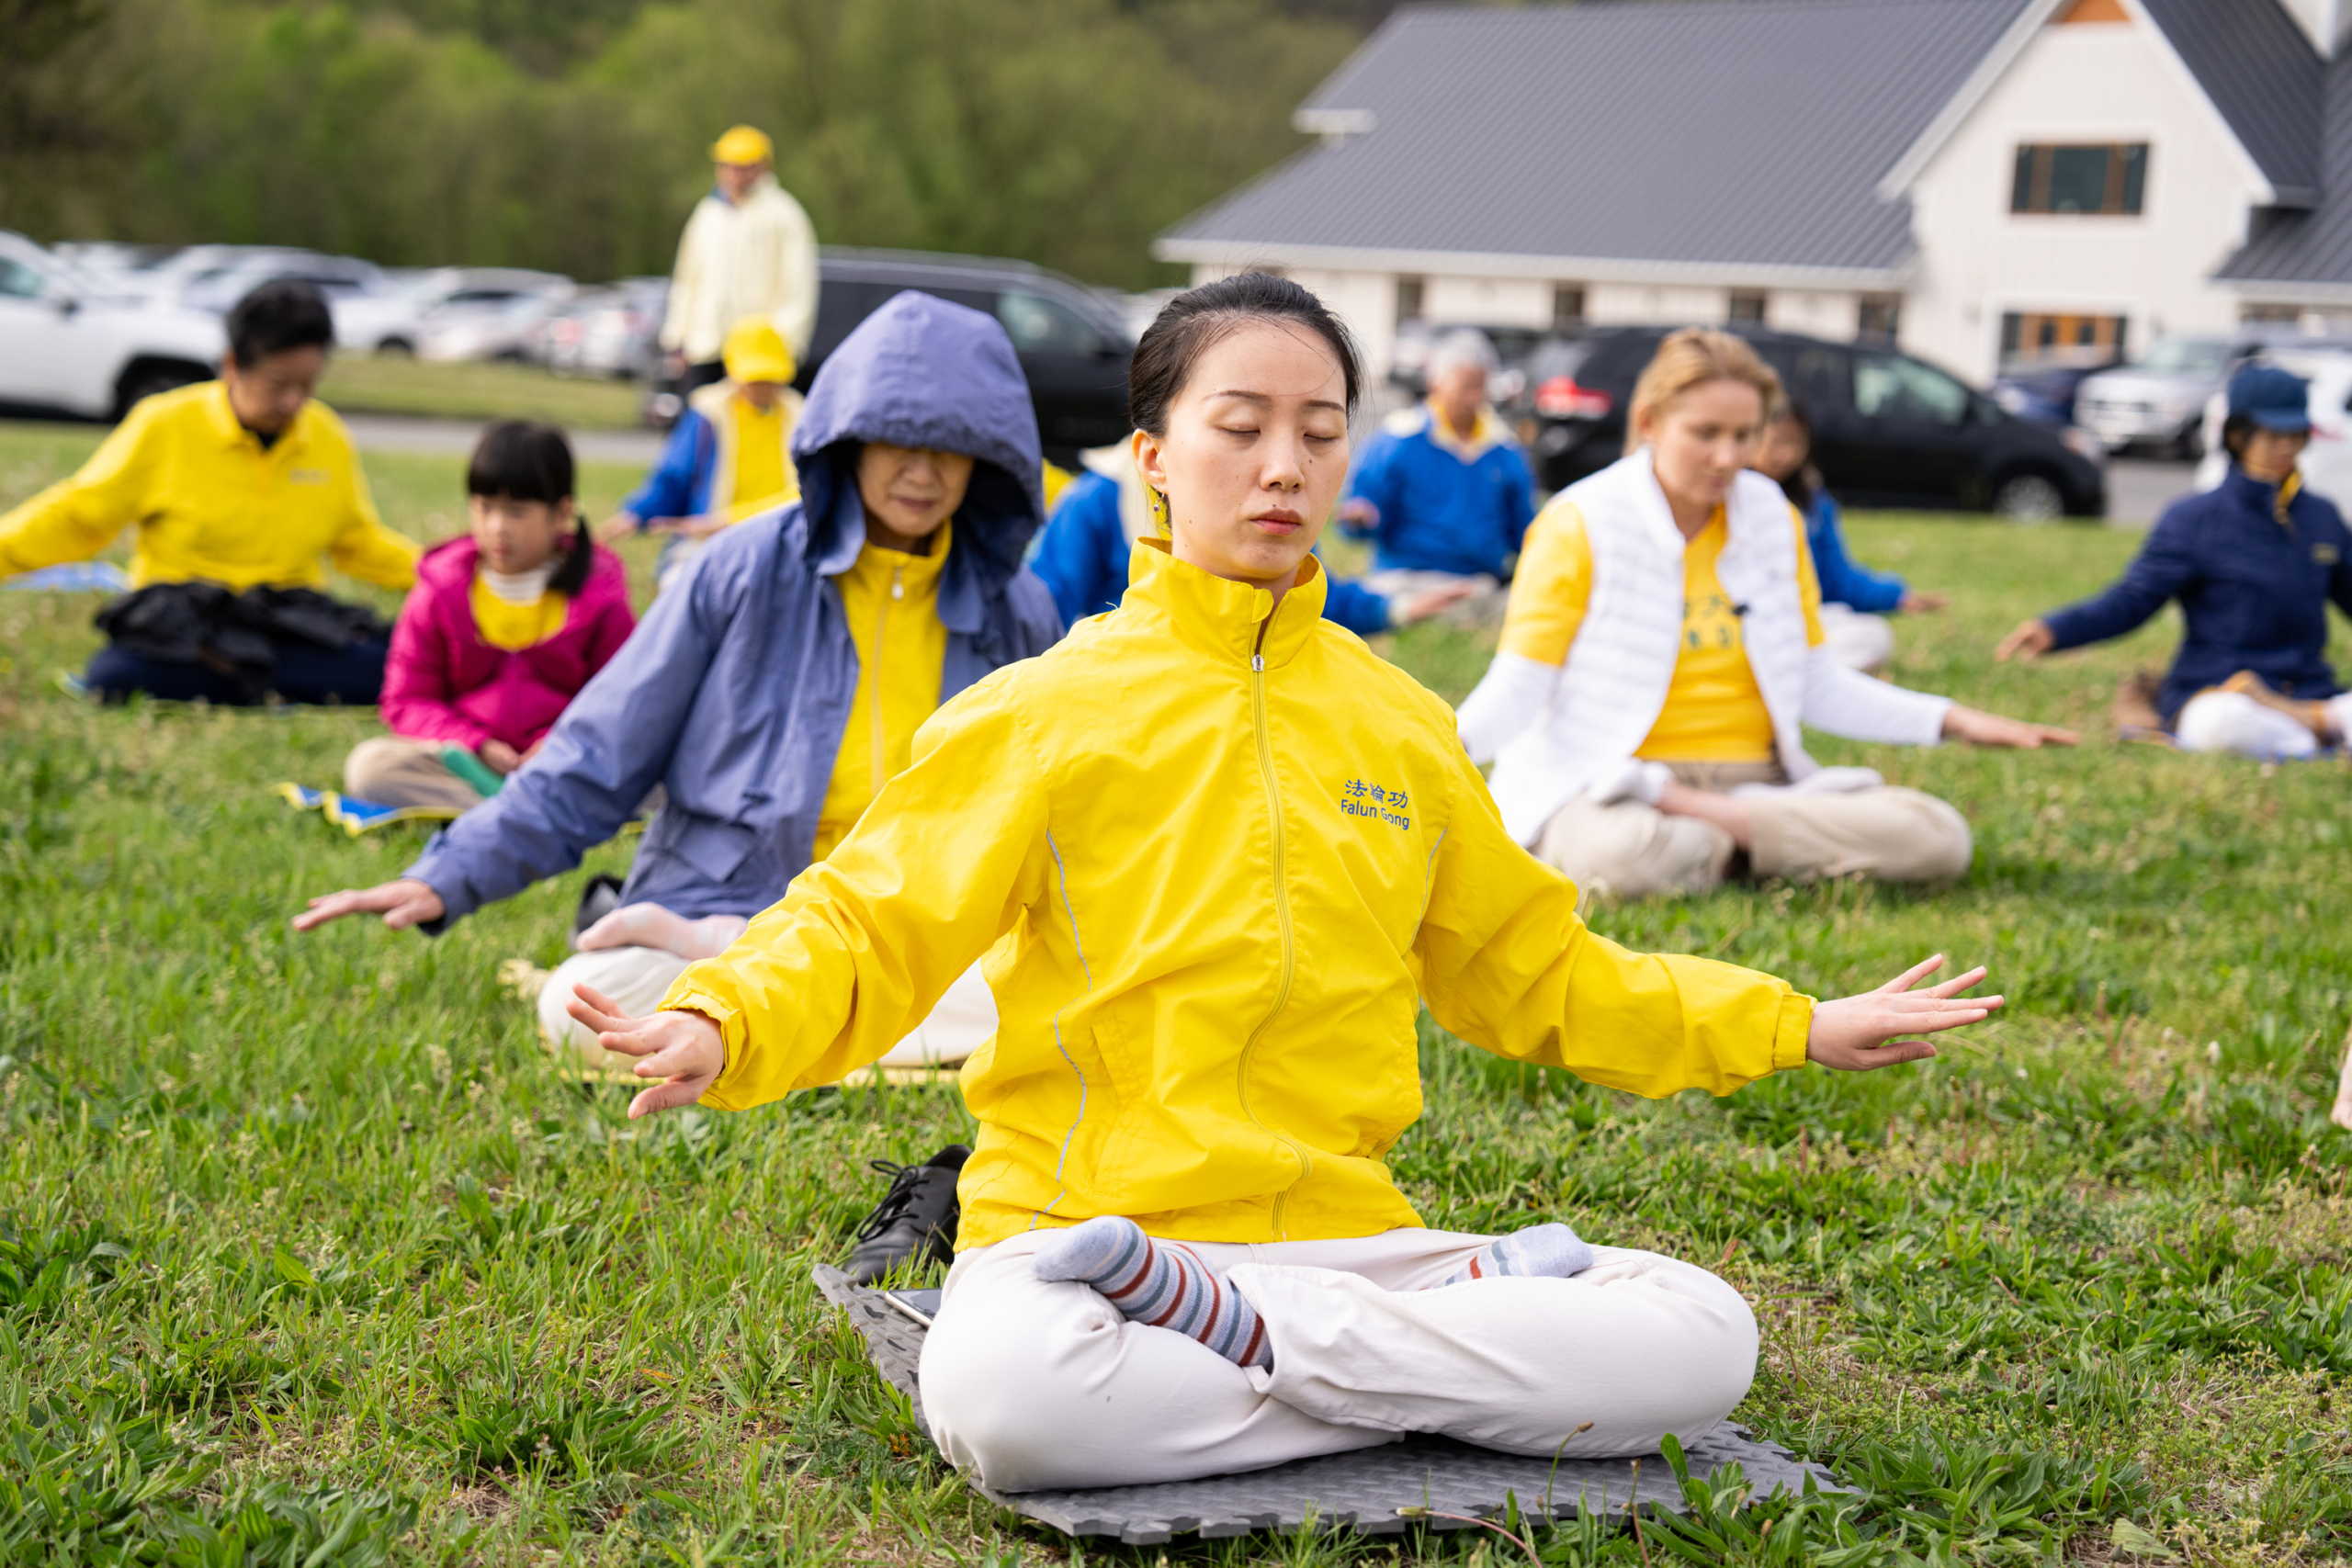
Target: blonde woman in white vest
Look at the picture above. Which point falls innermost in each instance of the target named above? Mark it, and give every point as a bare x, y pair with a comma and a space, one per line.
1662, 650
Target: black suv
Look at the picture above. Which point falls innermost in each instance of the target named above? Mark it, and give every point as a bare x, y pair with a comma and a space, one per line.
1889, 430
1074, 348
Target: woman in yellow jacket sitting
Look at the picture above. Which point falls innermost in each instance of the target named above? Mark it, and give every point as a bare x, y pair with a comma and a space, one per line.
1235, 851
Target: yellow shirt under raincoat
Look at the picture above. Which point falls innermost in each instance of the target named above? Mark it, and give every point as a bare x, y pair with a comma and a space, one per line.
210, 502
1235, 850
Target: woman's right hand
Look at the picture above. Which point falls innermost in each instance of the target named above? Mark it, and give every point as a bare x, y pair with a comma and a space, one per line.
405, 903
618, 526
684, 1050
498, 756
2030, 641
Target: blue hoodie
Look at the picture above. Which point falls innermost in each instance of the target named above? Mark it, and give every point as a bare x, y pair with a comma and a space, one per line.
2253, 573
734, 691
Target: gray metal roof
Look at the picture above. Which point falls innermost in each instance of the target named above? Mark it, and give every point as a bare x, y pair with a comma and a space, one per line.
2263, 74
2313, 247
1728, 132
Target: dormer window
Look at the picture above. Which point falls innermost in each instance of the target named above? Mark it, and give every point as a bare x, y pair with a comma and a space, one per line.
2108, 178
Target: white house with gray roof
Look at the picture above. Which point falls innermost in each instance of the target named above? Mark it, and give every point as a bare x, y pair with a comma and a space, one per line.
1990, 179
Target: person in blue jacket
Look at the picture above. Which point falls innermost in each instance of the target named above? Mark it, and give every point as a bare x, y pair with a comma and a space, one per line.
1855, 601
2253, 565
1082, 554
1443, 490
736, 692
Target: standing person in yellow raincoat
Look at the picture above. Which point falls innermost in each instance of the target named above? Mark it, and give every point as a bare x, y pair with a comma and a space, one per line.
748, 249
1235, 850
728, 457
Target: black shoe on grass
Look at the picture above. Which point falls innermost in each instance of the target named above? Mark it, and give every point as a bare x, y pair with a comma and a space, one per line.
915, 1221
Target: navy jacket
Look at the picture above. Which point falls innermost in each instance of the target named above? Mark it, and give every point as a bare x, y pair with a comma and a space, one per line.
2252, 586
1082, 556
734, 691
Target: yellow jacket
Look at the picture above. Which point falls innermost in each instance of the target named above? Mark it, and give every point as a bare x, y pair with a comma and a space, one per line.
210, 502
1234, 852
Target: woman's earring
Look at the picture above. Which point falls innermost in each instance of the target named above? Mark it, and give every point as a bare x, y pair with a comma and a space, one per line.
1158, 505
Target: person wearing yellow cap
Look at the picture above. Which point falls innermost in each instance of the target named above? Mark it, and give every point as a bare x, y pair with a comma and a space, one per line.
749, 250
728, 457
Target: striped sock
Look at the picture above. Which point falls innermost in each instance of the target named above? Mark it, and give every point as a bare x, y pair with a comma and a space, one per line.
1552, 1251
1160, 1283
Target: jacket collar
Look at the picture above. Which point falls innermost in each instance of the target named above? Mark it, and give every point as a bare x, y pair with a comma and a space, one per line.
2259, 495
1222, 618
962, 595
222, 419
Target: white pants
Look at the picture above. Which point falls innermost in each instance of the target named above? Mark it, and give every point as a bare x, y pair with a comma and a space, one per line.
638, 977
1855, 638
2232, 721
1031, 1385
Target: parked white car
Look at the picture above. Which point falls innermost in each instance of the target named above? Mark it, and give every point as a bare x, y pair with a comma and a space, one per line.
397, 320
2159, 399
69, 341
2326, 463
610, 331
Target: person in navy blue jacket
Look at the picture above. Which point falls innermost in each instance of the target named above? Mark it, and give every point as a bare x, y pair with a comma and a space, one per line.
1855, 601
1443, 490
2254, 564
1082, 554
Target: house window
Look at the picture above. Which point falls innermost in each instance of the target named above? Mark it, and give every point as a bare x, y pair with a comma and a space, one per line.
1568, 307
1746, 307
1878, 316
2054, 335
2110, 178
1408, 298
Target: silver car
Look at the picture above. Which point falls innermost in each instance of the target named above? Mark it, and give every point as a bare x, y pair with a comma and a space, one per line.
2160, 400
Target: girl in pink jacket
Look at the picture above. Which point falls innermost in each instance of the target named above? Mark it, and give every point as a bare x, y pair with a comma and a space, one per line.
503, 629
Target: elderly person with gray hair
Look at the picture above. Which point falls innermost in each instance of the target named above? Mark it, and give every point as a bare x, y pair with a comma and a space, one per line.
1444, 489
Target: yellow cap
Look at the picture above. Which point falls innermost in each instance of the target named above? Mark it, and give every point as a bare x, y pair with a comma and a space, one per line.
743, 144
755, 351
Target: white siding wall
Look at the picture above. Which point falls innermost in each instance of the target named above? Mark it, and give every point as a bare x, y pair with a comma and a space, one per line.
1615, 304
2078, 84
1824, 312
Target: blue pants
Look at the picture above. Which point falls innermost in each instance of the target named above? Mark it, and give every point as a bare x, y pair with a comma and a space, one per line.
306, 673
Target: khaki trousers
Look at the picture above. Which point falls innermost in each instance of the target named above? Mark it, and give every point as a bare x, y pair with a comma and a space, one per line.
393, 772
1630, 850
1032, 1383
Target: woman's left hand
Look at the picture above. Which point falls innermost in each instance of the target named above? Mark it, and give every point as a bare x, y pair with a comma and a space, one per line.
1992, 729
1915, 603
1857, 1034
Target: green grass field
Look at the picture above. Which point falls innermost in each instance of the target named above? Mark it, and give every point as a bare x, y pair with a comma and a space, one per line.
308, 1254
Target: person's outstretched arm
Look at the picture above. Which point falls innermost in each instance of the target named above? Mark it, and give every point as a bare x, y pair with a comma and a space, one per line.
2164, 566
363, 547
1506, 964
865, 941
606, 753
78, 516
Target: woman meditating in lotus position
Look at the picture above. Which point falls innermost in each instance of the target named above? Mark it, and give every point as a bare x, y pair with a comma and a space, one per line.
1664, 647
1234, 851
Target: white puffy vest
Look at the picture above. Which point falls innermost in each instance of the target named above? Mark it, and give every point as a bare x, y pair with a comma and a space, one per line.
1604, 699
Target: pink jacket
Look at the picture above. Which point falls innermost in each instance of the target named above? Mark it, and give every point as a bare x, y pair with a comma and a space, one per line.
442, 681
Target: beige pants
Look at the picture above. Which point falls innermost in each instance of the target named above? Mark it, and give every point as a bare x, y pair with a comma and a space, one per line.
638, 979
393, 772
1031, 1383
1631, 850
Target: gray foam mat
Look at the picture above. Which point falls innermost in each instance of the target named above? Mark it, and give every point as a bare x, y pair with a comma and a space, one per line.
1362, 1491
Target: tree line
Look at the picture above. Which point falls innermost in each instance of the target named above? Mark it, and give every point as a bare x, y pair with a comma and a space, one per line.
574, 136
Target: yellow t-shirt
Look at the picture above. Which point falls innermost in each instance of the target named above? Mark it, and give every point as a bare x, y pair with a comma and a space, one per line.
515, 626
1714, 712
762, 476
893, 601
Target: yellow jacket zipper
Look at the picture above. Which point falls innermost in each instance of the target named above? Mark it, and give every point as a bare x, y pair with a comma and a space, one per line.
881, 625
1281, 923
